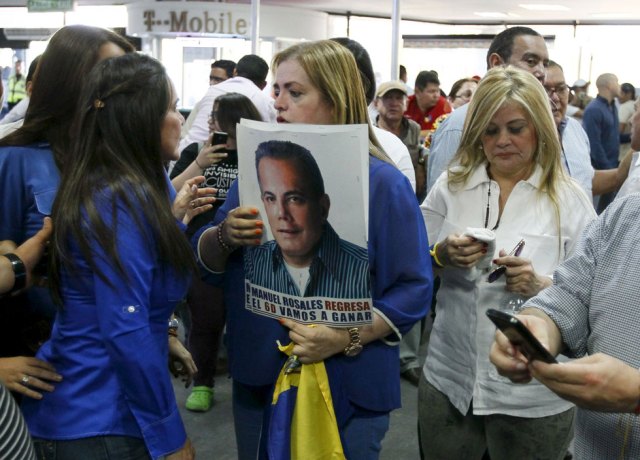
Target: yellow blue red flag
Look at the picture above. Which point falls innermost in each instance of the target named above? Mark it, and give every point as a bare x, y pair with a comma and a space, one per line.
303, 422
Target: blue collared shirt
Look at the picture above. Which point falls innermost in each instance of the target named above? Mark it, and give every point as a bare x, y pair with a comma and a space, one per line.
600, 121
109, 342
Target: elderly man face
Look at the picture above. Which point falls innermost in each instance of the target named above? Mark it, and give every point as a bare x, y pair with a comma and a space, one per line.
391, 106
558, 92
296, 215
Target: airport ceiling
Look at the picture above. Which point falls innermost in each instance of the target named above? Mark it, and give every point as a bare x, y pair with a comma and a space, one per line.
460, 11
484, 11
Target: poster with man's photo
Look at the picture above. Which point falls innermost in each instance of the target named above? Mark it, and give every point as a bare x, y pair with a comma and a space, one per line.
311, 186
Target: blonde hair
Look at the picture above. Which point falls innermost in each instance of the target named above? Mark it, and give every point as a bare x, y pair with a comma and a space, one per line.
509, 85
332, 69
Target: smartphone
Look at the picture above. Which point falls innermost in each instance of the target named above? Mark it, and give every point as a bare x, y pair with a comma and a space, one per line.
218, 138
520, 336
501, 269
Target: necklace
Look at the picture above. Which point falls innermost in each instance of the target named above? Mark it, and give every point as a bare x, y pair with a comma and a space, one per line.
487, 212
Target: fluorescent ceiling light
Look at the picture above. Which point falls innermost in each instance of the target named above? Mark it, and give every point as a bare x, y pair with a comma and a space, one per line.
543, 7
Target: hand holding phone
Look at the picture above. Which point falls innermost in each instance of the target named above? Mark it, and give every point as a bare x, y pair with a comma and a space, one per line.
218, 138
520, 336
501, 269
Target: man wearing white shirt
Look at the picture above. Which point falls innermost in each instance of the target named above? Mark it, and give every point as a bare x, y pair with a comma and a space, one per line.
251, 73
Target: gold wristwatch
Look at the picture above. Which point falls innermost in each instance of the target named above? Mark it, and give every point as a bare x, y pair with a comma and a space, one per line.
355, 345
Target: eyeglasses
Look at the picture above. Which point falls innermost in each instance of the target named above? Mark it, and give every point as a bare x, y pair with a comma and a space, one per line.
466, 95
560, 90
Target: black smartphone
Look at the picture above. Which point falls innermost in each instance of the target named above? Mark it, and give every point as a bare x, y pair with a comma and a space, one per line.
219, 138
520, 336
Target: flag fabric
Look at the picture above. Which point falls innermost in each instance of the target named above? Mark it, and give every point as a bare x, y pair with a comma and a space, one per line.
303, 422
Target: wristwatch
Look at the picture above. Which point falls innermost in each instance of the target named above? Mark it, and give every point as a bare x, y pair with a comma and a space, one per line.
355, 345
19, 271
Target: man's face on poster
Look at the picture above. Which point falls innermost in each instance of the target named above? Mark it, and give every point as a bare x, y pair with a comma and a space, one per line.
296, 215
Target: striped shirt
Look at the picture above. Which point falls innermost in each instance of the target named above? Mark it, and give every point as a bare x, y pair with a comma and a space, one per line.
15, 442
339, 269
594, 303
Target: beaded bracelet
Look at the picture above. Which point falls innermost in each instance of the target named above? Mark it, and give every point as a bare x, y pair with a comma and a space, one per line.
433, 252
223, 244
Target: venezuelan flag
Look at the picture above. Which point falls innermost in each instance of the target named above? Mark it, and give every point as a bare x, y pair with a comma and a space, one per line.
303, 421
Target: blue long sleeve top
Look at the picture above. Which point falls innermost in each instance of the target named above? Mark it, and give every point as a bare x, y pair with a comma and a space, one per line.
109, 342
29, 181
401, 284
600, 121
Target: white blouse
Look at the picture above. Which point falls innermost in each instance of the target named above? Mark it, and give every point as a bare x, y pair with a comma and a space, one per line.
458, 357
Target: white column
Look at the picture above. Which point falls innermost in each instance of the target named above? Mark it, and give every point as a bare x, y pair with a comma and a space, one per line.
395, 39
255, 25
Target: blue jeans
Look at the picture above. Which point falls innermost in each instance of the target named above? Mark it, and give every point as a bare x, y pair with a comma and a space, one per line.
95, 448
362, 435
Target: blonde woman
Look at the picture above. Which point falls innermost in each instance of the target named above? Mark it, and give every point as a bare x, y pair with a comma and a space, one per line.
509, 180
318, 83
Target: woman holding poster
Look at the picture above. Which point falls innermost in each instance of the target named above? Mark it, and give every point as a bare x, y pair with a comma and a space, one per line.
318, 83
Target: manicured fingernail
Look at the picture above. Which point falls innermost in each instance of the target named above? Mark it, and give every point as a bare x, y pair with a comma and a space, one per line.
259, 223
281, 320
484, 250
258, 231
254, 211
256, 242
495, 261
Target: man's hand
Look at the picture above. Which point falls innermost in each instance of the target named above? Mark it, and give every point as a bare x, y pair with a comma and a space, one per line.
598, 382
509, 361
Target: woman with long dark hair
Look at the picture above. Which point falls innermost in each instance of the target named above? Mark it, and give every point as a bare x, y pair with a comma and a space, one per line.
120, 263
31, 159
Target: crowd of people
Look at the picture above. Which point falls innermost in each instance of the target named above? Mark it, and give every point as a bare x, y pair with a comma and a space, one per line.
117, 211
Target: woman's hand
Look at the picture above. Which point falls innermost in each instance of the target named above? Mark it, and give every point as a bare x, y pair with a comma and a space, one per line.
25, 375
30, 252
181, 362
461, 251
187, 452
192, 201
210, 155
242, 228
520, 276
316, 342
